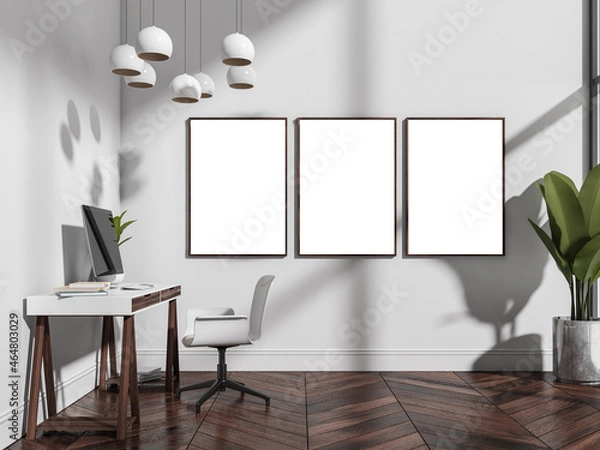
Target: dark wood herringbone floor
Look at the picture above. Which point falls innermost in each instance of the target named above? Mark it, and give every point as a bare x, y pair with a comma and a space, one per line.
353, 410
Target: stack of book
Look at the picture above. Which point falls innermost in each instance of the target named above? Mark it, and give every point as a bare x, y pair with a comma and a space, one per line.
148, 374
83, 288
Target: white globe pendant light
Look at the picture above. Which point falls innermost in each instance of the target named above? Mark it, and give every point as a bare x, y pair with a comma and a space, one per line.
241, 77
124, 59
185, 88
238, 49
153, 43
206, 82
144, 80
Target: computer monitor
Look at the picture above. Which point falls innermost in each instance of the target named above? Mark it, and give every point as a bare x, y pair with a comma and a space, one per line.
102, 243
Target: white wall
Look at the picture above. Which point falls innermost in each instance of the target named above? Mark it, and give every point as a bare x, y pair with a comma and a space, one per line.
338, 58
60, 134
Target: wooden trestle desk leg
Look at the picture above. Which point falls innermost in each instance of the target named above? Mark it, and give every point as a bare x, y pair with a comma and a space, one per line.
112, 351
42, 355
108, 351
127, 386
133, 386
49, 372
172, 369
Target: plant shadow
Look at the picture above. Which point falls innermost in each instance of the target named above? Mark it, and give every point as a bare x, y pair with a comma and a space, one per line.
498, 290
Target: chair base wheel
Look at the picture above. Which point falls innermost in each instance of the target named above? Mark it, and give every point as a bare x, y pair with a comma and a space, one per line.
216, 386
220, 384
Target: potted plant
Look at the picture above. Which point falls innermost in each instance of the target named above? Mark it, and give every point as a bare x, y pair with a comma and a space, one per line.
574, 244
119, 226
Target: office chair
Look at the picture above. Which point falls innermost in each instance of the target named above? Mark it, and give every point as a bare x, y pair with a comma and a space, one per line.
221, 328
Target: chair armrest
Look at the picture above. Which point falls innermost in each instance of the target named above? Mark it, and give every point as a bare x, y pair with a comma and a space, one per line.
223, 318
194, 313
218, 331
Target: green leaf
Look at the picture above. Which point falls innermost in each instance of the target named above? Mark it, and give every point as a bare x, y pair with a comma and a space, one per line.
586, 266
566, 179
560, 261
125, 240
126, 224
554, 229
589, 197
562, 203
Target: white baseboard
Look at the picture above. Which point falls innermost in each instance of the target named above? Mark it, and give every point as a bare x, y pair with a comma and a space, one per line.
67, 392
204, 359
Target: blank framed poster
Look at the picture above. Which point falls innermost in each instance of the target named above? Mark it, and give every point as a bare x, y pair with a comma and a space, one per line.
346, 188
237, 186
454, 186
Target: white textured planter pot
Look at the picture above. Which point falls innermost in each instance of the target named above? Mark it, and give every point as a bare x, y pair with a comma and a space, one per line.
576, 350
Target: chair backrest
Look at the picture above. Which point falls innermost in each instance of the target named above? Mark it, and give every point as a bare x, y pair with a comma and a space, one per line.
257, 311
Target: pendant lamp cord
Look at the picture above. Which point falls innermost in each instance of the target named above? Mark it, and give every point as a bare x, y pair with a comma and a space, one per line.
238, 16
201, 36
140, 14
184, 35
153, 12
126, 36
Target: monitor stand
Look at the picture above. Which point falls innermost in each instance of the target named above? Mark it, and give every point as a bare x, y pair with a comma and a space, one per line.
113, 279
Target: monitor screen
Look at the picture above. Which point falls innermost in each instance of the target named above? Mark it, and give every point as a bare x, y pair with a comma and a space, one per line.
102, 241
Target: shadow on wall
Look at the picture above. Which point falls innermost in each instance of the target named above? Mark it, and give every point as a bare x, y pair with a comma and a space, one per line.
497, 291
69, 130
129, 177
71, 133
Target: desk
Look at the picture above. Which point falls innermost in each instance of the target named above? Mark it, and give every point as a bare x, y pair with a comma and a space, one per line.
118, 303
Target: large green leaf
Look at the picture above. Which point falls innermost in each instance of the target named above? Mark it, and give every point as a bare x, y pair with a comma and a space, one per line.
564, 206
586, 266
589, 197
566, 179
554, 229
560, 261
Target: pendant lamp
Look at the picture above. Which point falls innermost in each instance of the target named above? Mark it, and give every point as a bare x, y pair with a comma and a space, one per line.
206, 82
144, 80
185, 88
241, 77
153, 43
238, 50
147, 78
124, 60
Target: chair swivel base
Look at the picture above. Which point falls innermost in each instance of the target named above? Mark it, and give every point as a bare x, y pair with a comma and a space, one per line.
220, 384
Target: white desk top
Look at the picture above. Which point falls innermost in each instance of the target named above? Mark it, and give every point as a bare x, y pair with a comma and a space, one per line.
118, 302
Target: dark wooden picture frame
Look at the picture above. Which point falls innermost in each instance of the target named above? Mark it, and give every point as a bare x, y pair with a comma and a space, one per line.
237, 187
454, 186
346, 187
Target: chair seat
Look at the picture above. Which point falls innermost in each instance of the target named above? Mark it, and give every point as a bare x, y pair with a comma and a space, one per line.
218, 331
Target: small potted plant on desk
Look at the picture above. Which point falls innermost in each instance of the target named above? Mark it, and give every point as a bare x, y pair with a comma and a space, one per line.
574, 244
120, 225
